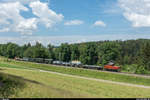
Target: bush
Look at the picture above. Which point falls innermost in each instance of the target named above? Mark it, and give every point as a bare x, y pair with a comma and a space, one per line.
130, 68
141, 70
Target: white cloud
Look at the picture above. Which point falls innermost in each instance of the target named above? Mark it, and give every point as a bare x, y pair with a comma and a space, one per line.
27, 26
11, 19
57, 40
21, 1
136, 11
99, 23
4, 30
46, 16
74, 22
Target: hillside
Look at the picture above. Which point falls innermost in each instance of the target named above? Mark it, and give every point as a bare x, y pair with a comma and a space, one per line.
41, 84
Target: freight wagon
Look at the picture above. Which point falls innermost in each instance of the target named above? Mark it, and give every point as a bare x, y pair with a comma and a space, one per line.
109, 67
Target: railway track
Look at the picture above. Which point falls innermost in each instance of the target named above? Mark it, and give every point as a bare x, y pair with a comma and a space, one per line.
123, 73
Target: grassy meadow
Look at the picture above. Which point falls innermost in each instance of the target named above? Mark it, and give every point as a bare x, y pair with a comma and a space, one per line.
42, 84
76, 71
27, 83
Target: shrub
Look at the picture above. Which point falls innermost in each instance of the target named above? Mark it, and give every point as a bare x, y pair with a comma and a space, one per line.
130, 68
141, 70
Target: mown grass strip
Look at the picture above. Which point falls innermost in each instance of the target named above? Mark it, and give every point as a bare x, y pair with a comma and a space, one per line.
83, 72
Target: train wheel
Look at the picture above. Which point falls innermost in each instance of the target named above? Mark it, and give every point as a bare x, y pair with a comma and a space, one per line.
116, 70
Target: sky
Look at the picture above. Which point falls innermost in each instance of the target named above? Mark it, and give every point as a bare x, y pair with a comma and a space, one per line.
73, 21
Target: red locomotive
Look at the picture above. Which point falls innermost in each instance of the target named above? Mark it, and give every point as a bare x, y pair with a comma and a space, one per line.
111, 66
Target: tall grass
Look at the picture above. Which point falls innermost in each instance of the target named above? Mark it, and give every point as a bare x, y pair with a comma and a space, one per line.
10, 85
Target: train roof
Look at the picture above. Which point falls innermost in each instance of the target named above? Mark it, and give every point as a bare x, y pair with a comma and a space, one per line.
111, 63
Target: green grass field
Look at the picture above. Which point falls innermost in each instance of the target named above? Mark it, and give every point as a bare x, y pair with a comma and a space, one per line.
76, 71
42, 84
33, 83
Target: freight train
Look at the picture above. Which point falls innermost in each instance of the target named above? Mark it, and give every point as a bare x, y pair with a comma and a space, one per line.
109, 67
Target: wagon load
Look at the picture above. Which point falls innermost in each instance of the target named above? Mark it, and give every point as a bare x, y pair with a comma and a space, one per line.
76, 63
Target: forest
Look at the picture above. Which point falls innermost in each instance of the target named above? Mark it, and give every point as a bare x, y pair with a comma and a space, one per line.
131, 55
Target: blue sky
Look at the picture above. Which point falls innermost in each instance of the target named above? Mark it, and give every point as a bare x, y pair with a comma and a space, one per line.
73, 21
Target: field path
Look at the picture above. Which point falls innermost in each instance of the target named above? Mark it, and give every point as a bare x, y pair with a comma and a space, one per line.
94, 79
87, 78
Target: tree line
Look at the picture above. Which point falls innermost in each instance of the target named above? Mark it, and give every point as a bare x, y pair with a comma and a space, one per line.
92, 53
